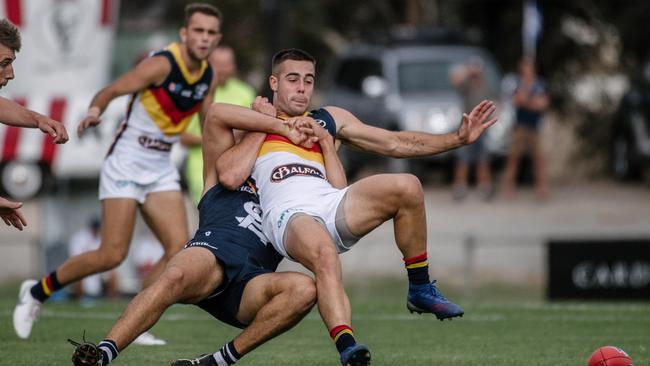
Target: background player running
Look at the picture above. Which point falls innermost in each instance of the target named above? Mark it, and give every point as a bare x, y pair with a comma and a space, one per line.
167, 89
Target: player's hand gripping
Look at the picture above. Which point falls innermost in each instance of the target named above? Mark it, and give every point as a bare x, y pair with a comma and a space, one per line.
262, 105
301, 131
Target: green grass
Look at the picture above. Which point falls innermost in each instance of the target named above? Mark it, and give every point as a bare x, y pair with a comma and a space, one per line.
502, 326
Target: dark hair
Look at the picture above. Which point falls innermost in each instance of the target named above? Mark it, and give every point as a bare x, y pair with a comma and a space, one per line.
202, 8
9, 35
295, 54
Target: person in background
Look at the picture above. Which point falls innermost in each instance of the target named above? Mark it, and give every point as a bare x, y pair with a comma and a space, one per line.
230, 90
531, 101
471, 82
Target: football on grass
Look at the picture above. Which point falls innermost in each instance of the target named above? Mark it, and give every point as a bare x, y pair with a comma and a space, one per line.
609, 356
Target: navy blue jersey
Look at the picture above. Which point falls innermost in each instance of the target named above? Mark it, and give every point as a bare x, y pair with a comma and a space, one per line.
325, 119
236, 217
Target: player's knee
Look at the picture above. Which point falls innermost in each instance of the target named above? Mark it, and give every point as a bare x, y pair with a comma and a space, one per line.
409, 189
111, 259
303, 291
327, 258
173, 278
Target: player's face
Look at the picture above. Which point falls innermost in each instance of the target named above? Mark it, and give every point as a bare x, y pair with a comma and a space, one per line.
7, 57
201, 35
293, 86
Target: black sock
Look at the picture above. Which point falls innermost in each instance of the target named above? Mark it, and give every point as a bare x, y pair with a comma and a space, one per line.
343, 337
418, 269
46, 287
109, 350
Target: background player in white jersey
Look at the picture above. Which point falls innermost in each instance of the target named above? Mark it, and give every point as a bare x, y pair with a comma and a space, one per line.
13, 114
310, 221
168, 88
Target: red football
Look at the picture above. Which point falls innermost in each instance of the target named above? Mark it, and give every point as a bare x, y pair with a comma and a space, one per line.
609, 356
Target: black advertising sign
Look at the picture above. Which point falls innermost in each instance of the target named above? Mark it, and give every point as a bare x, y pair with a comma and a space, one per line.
599, 269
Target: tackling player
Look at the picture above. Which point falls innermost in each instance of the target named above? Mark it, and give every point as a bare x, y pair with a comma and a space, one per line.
227, 268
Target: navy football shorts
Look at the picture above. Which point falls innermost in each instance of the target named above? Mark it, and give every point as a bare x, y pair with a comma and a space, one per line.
239, 268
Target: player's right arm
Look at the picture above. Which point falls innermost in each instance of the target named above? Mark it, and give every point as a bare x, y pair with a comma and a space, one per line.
14, 114
236, 164
150, 71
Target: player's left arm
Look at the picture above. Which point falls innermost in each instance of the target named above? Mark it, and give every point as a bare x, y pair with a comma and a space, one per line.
405, 144
14, 114
235, 165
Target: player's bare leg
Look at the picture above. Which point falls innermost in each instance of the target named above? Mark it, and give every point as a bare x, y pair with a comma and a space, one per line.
164, 213
189, 277
118, 220
376, 199
309, 243
271, 304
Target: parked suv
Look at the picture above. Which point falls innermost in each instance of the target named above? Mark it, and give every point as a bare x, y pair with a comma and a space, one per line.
407, 87
630, 152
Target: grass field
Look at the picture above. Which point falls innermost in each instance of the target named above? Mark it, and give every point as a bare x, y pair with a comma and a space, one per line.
502, 326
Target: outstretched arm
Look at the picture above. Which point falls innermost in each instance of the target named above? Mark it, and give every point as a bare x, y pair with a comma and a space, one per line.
151, 71
405, 144
14, 114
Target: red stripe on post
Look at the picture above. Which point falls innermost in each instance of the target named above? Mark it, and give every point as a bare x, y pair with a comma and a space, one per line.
106, 12
12, 138
57, 108
14, 12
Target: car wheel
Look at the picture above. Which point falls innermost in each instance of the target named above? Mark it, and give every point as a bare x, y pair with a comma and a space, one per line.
21, 180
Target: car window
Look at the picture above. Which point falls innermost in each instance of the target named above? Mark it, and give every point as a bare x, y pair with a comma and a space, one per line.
417, 77
352, 72
426, 76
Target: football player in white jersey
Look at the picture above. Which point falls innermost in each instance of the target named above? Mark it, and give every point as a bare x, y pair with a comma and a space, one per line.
310, 221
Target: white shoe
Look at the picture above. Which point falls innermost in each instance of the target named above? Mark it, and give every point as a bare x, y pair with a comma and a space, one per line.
26, 310
148, 339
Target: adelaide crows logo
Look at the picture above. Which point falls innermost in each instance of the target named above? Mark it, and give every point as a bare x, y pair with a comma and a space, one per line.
283, 172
